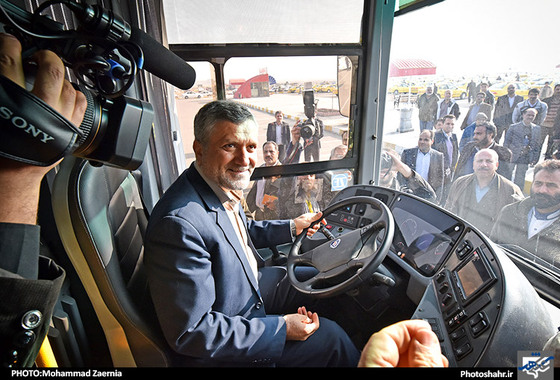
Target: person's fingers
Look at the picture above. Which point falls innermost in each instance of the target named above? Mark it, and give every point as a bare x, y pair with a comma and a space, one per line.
10, 59
72, 103
49, 80
79, 109
51, 86
311, 324
315, 319
380, 351
409, 343
425, 350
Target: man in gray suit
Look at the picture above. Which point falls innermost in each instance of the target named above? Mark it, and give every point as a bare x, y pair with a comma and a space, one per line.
524, 141
279, 132
504, 110
426, 161
215, 306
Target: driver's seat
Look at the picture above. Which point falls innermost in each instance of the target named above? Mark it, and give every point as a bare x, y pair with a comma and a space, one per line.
101, 221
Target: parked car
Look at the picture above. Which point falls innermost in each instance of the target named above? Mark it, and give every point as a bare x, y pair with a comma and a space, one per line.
191, 95
457, 91
404, 88
500, 88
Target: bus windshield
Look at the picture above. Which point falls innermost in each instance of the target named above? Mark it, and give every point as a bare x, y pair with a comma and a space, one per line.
449, 90
458, 94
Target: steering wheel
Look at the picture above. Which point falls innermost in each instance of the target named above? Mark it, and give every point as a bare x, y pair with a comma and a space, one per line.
342, 262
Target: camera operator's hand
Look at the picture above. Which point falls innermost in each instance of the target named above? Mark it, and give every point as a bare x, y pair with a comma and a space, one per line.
19, 182
398, 165
296, 132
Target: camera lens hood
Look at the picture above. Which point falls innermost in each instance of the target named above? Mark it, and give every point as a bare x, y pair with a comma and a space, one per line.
30, 130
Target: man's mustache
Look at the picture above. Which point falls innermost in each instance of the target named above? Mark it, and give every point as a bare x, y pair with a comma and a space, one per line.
545, 200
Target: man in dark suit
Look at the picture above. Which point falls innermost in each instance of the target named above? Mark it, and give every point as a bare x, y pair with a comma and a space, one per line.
216, 308
29, 283
279, 132
445, 141
426, 161
483, 137
489, 97
478, 106
262, 199
524, 141
503, 111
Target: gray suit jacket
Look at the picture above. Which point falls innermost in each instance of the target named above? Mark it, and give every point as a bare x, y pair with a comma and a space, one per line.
436, 171
206, 298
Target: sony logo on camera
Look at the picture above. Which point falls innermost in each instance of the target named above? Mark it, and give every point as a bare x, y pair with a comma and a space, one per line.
21, 123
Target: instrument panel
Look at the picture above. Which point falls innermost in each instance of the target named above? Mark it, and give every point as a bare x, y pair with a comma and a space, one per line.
466, 294
479, 304
424, 235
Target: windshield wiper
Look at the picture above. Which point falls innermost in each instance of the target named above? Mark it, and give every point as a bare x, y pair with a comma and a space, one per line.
533, 260
544, 276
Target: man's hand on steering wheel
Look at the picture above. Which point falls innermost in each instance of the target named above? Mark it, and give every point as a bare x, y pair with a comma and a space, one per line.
342, 262
304, 221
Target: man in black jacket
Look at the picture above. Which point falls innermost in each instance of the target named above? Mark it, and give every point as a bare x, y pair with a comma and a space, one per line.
426, 161
483, 138
534, 222
445, 141
312, 145
279, 132
503, 111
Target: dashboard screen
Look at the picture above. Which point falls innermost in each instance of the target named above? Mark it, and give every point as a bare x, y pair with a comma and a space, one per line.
423, 235
472, 276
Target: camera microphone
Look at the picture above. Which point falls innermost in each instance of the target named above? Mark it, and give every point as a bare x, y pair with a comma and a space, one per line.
162, 62
157, 59
115, 129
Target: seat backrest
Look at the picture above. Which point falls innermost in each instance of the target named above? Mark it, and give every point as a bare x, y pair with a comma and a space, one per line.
101, 221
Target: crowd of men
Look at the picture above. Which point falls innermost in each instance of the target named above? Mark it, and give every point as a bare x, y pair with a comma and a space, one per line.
282, 197
485, 182
477, 171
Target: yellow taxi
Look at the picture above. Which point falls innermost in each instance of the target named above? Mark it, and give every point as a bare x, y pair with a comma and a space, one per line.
404, 88
295, 89
457, 91
500, 88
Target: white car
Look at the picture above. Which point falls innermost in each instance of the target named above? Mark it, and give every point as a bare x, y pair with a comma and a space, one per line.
191, 95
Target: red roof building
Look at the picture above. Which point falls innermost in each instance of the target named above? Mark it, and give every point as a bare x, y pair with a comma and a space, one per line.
255, 87
407, 67
236, 82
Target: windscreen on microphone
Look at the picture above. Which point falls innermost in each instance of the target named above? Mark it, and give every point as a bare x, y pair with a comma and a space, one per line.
162, 62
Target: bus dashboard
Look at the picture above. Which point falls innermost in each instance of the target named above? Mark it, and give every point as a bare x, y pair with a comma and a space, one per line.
464, 285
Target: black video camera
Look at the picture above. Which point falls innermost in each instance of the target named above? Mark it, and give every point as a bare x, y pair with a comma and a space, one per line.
115, 129
308, 128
